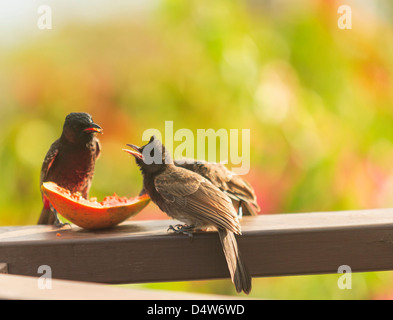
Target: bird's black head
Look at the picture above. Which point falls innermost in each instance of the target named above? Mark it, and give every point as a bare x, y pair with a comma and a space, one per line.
152, 157
79, 127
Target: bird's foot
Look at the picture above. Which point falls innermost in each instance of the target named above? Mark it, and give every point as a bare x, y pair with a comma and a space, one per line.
182, 228
59, 224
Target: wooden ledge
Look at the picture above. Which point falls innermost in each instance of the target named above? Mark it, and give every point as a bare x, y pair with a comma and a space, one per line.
143, 251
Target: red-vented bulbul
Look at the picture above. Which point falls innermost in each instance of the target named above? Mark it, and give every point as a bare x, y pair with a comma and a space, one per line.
70, 160
239, 190
189, 197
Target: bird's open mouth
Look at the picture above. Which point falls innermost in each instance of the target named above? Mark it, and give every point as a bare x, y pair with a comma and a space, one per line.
135, 151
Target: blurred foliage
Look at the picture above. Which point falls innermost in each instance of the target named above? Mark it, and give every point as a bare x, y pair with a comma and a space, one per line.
318, 101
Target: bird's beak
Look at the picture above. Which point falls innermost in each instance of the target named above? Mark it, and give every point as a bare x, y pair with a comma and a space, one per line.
94, 128
136, 152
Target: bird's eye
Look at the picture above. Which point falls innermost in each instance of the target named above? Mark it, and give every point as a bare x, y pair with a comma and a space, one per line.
152, 153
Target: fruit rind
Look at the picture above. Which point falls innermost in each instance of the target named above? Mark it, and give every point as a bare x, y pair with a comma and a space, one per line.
92, 215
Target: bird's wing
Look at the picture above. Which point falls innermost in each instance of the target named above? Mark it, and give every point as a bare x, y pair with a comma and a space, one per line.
177, 184
243, 190
98, 147
217, 173
197, 198
234, 185
236, 188
49, 160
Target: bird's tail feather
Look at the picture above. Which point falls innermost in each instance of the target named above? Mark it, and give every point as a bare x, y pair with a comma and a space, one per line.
238, 271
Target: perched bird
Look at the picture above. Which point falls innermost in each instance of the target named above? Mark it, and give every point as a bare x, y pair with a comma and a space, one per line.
239, 190
70, 160
189, 197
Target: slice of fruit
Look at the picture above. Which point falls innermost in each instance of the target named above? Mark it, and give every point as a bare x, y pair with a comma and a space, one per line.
90, 214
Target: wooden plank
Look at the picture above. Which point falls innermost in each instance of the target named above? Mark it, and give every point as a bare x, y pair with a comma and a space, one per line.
14, 287
143, 251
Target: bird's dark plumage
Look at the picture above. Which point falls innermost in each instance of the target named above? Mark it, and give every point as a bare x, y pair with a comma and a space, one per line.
189, 197
239, 190
70, 160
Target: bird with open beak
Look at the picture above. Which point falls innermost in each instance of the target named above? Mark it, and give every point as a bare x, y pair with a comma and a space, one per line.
70, 161
189, 197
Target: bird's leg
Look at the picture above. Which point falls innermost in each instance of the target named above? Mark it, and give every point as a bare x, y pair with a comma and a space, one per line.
182, 228
57, 223
240, 211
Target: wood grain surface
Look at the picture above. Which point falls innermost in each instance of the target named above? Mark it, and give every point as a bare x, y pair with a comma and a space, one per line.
143, 251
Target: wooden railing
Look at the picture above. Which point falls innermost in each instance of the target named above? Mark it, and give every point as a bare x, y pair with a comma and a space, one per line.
143, 251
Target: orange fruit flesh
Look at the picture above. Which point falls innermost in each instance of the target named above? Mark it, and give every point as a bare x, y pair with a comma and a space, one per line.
91, 214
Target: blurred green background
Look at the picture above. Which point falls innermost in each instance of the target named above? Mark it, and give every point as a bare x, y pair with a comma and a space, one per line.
317, 99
